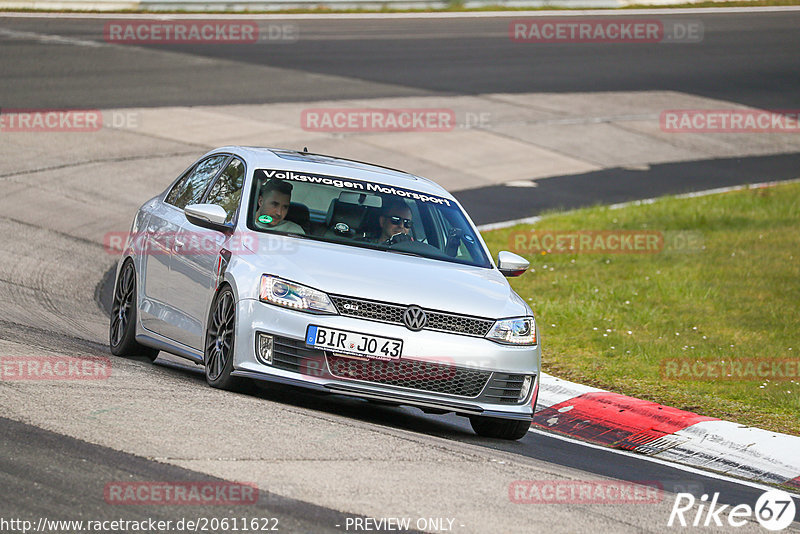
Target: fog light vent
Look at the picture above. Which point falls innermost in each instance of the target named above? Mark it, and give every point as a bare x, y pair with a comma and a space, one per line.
264, 348
526, 387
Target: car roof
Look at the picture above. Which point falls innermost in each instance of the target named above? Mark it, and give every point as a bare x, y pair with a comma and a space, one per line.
301, 161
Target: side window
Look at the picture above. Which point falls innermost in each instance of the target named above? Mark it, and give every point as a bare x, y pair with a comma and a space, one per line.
227, 190
190, 188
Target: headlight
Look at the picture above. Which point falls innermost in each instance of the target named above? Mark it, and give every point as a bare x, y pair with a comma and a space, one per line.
290, 295
519, 331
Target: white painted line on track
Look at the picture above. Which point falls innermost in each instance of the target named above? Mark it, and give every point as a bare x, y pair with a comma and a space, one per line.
695, 194
521, 183
435, 15
506, 224
681, 467
707, 192
48, 38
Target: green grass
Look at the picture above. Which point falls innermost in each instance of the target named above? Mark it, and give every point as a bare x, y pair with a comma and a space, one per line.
610, 320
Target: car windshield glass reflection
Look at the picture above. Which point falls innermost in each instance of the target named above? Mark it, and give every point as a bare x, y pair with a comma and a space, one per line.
364, 214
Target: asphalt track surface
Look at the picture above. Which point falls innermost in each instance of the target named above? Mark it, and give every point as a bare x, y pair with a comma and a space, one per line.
38, 467
34, 488
746, 59
611, 186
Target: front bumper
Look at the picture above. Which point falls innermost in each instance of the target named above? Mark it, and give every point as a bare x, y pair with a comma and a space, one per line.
438, 371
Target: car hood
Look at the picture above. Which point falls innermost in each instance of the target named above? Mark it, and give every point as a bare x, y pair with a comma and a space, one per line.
389, 277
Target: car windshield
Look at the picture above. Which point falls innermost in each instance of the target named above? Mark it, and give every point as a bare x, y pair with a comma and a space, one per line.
363, 214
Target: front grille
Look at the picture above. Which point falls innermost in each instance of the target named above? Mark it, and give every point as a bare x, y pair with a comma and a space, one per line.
367, 309
412, 374
493, 387
393, 313
504, 388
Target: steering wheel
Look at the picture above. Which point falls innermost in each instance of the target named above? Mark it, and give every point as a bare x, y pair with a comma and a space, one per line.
398, 238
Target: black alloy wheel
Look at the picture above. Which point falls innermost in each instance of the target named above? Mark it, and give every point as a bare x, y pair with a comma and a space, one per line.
220, 341
122, 327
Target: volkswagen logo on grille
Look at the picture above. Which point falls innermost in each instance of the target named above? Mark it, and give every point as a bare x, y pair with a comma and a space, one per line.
414, 318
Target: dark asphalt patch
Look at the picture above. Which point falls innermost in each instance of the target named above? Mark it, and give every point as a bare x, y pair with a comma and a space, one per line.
745, 58
70, 485
46, 339
104, 291
609, 186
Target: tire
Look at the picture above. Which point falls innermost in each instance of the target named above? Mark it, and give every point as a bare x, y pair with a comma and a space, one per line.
493, 427
220, 342
122, 325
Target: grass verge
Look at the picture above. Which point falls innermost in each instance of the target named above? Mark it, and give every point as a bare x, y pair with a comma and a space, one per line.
725, 287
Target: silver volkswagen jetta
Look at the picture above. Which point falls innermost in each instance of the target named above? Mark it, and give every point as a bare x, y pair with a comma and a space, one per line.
329, 274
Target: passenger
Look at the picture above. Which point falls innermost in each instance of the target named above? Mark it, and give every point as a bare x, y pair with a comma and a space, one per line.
395, 219
273, 205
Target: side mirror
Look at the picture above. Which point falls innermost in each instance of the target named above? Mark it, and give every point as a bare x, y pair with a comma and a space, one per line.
511, 264
209, 216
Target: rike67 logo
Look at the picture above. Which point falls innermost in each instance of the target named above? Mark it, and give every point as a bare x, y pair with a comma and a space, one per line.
774, 510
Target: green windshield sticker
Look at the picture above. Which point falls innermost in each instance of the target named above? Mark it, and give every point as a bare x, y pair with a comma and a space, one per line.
265, 219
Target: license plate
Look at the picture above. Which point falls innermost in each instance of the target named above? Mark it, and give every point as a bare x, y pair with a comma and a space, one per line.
366, 345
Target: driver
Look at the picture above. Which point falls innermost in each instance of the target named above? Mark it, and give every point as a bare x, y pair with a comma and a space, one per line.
395, 219
273, 205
